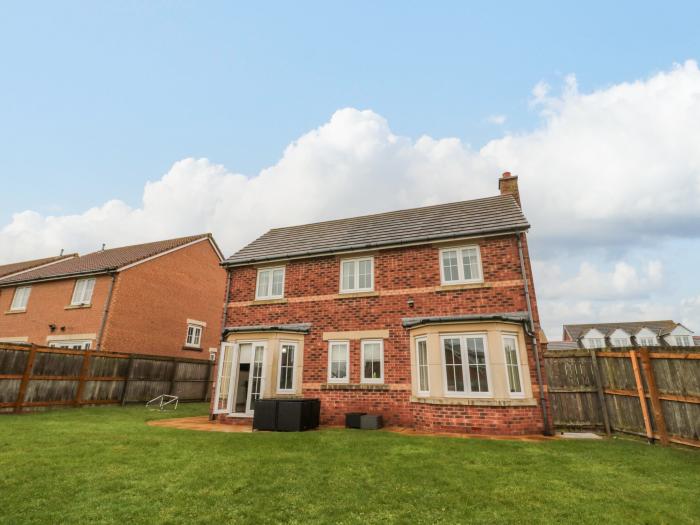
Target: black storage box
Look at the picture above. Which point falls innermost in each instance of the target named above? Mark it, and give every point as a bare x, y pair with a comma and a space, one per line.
353, 419
371, 422
265, 415
287, 415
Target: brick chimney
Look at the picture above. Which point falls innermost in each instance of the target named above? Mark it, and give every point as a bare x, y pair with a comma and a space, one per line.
508, 184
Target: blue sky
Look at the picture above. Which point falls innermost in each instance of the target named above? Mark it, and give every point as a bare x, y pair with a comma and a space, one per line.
99, 98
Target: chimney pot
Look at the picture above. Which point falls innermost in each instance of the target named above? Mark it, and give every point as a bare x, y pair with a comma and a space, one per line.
506, 174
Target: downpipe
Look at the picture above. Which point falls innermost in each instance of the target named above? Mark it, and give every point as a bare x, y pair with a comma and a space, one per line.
530, 330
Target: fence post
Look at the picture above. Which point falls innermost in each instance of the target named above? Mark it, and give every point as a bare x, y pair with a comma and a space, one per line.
654, 396
129, 371
642, 397
84, 369
601, 394
25, 379
176, 364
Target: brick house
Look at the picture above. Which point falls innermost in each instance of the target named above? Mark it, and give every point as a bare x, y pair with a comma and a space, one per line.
426, 316
158, 298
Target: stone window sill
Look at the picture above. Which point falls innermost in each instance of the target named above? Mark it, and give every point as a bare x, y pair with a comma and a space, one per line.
372, 387
463, 286
77, 306
12, 312
268, 301
515, 402
354, 295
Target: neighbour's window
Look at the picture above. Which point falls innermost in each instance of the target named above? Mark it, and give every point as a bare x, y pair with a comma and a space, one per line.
194, 335
647, 341
621, 341
372, 362
286, 367
338, 361
465, 364
422, 364
72, 345
594, 342
270, 283
510, 348
460, 265
82, 293
19, 301
683, 340
357, 275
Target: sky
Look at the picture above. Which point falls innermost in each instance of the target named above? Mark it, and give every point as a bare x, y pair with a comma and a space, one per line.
126, 122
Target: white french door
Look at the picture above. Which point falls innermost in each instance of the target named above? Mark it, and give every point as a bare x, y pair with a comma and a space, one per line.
241, 378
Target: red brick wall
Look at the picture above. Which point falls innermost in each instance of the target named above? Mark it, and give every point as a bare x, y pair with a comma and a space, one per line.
311, 293
47, 305
152, 301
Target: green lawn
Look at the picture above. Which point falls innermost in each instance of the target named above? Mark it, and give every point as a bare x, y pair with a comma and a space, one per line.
104, 465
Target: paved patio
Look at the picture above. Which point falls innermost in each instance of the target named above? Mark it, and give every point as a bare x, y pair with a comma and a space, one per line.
204, 424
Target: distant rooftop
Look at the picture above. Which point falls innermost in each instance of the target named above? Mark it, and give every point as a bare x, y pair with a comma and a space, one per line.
22, 266
490, 215
102, 261
576, 331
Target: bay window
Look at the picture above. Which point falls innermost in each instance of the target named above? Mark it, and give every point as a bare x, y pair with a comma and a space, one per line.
465, 364
510, 349
286, 367
422, 365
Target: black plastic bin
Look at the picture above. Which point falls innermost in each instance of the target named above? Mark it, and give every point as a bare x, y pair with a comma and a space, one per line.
287, 415
354, 419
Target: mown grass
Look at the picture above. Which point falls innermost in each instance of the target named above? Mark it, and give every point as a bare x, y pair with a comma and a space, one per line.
104, 465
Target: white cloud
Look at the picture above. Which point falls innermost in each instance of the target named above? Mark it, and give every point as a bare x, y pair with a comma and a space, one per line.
623, 281
496, 119
615, 169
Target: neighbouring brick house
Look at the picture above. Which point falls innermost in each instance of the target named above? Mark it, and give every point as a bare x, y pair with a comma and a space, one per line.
158, 298
426, 316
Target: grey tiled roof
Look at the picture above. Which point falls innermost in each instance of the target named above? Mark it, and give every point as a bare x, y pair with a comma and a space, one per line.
102, 261
576, 331
22, 266
443, 221
409, 322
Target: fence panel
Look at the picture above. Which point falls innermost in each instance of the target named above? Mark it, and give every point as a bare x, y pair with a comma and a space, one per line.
33, 377
653, 392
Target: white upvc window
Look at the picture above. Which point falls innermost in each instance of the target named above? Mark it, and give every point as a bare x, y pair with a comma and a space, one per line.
683, 340
594, 342
82, 293
194, 335
286, 368
422, 366
338, 361
357, 275
72, 345
465, 365
20, 299
460, 265
648, 341
372, 361
621, 341
270, 284
510, 349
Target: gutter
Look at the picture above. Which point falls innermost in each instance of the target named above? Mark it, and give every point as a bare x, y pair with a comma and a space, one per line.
98, 345
530, 329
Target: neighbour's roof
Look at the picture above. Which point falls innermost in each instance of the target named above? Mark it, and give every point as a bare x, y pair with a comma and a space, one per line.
577, 331
103, 261
22, 266
696, 339
443, 221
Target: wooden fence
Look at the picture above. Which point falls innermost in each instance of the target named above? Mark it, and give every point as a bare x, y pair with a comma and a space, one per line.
36, 376
652, 392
